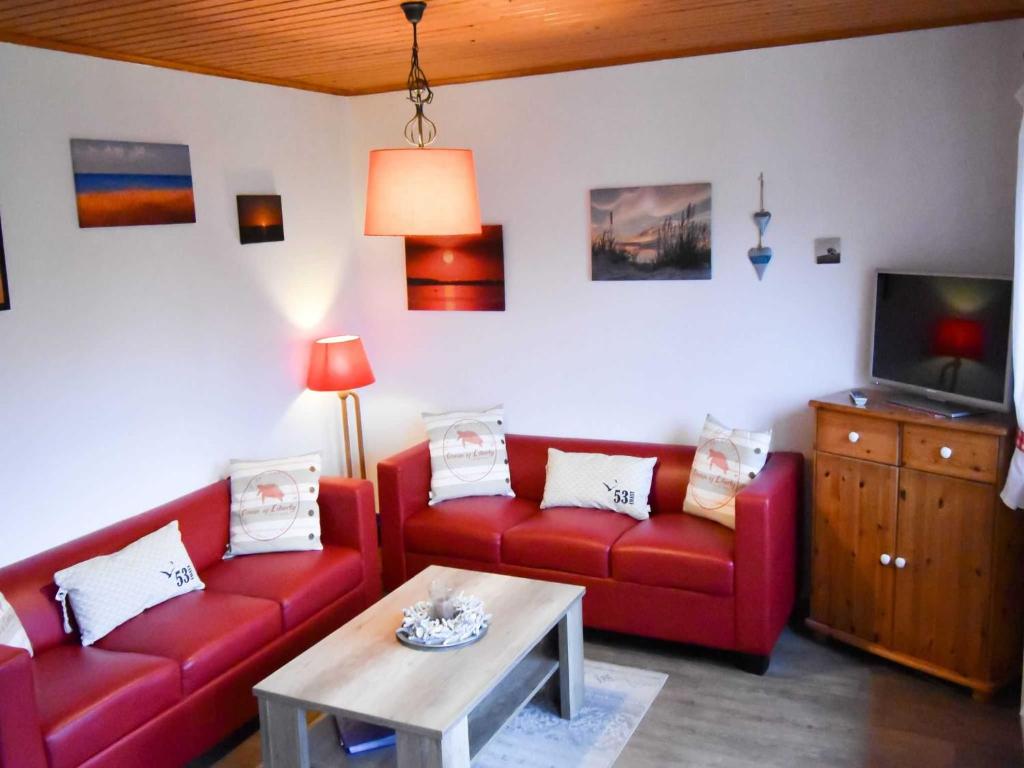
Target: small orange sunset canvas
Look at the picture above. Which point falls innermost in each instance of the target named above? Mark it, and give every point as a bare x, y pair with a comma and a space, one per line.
260, 219
461, 272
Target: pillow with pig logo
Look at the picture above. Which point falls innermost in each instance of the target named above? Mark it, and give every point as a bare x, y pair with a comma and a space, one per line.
274, 505
617, 483
727, 460
107, 591
467, 454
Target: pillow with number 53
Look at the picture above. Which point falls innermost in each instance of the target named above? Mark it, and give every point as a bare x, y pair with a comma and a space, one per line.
617, 483
108, 590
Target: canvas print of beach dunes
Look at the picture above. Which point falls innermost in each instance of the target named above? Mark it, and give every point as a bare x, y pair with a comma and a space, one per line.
458, 272
125, 183
651, 233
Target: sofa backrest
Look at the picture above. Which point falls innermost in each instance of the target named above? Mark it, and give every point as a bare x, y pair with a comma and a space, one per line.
202, 517
528, 458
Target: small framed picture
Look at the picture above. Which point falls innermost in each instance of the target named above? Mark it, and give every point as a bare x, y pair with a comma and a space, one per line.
828, 250
5, 294
260, 219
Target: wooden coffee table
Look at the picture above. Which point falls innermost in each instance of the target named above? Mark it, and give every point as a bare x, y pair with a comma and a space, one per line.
444, 705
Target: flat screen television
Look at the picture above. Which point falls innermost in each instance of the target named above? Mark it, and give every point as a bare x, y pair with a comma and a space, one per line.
944, 337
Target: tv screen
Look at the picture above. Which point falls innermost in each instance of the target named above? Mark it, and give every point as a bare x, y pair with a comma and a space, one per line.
943, 333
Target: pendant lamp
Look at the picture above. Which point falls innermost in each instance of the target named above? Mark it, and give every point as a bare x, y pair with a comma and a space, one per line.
420, 190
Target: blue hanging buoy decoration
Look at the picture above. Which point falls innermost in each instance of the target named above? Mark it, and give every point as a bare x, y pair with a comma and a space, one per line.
761, 255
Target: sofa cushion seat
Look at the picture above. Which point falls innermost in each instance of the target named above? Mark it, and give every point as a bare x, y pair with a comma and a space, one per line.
300, 582
88, 698
207, 633
570, 539
468, 528
676, 550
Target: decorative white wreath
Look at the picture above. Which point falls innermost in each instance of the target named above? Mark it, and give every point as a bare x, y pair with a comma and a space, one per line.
469, 620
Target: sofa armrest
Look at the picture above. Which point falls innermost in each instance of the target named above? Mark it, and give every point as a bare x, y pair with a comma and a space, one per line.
766, 531
21, 739
404, 484
348, 519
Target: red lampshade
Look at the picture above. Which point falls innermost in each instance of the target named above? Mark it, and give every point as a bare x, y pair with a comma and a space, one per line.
421, 191
957, 337
339, 364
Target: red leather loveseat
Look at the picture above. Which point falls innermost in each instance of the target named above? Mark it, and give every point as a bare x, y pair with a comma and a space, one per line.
169, 684
675, 576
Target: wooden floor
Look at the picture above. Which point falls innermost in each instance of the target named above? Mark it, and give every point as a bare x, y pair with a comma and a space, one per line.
819, 705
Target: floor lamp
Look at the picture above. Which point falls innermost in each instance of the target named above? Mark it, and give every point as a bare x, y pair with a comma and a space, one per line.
339, 364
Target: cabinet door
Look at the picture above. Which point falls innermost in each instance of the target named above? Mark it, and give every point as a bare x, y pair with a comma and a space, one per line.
854, 525
942, 592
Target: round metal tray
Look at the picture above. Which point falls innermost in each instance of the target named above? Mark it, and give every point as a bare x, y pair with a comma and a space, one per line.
419, 645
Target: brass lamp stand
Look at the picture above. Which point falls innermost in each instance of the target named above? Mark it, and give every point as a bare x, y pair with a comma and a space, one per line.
344, 396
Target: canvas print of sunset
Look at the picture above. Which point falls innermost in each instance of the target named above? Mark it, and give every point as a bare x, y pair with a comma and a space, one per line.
463, 272
260, 219
124, 183
651, 233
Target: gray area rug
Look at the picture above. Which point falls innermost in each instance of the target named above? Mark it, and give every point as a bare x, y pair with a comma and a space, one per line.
616, 700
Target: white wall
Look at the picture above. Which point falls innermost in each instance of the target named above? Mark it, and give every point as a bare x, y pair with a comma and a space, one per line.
903, 145
136, 361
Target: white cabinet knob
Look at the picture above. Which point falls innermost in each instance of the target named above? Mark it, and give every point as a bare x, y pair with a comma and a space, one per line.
945, 451
854, 437
901, 562
885, 559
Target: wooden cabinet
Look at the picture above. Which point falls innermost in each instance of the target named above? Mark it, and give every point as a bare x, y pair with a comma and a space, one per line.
914, 557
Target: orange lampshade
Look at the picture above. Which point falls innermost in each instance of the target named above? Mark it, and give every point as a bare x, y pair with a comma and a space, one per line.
339, 364
422, 191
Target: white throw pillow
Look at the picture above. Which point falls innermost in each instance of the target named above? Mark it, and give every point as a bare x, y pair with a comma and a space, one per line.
727, 460
274, 505
107, 591
12, 632
467, 454
619, 483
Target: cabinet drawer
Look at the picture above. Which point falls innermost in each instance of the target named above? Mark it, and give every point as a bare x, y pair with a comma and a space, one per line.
957, 454
860, 437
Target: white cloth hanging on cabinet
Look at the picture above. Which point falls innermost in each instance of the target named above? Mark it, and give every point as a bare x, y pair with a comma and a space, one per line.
1013, 490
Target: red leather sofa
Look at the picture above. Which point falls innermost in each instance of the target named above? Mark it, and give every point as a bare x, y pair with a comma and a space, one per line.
675, 576
169, 684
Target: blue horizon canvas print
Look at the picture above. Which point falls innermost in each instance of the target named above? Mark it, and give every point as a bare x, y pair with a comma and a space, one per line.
127, 183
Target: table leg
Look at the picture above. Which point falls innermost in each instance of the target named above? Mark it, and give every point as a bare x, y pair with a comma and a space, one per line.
449, 751
570, 661
283, 735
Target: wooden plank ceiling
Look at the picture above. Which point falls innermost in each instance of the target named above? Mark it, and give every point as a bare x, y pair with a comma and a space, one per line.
362, 46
